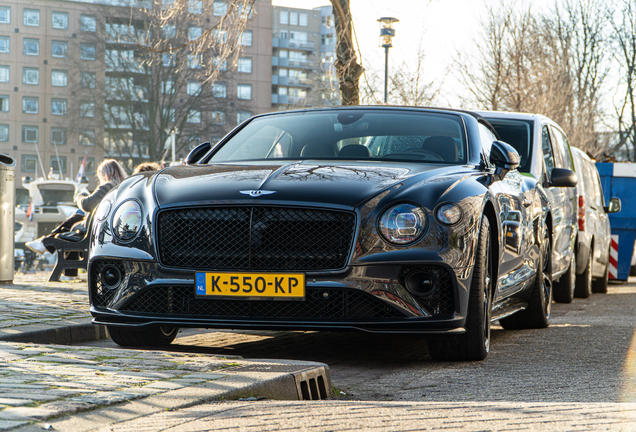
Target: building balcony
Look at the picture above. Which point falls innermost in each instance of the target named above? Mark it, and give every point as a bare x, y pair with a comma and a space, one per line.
280, 80
301, 63
299, 82
301, 45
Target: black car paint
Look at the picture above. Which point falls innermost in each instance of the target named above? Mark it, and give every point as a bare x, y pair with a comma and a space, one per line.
374, 263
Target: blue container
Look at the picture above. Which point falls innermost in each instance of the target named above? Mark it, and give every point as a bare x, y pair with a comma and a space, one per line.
619, 180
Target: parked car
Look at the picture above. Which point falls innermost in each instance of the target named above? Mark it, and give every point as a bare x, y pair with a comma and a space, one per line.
545, 151
367, 218
594, 232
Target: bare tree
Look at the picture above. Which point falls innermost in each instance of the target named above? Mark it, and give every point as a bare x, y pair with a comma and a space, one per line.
166, 68
346, 63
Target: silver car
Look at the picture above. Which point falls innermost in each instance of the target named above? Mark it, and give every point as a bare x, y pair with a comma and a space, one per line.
545, 155
593, 240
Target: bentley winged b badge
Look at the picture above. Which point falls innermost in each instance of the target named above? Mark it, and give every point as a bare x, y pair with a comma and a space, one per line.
257, 193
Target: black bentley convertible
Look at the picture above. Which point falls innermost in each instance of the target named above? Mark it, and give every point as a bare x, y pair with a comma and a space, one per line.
368, 218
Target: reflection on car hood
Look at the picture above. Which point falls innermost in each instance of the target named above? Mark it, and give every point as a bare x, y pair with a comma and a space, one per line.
346, 184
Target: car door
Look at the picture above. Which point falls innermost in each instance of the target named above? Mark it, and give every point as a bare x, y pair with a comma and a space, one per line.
602, 233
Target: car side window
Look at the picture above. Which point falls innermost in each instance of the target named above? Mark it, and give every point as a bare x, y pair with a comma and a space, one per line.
548, 154
598, 195
487, 137
563, 148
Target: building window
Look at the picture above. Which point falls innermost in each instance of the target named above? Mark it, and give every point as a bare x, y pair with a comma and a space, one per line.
29, 163
219, 90
58, 106
194, 61
169, 114
4, 132
87, 109
4, 103
168, 59
195, 6
87, 79
194, 116
244, 91
246, 38
89, 168
284, 34
60, 20
31, 17
31, 47
58, 163
303, 20
218, 117
327, 21
29, 134
58, 78
5, 15
284, 17
220, 35
220, 8
169, 31
58, 136
59, 49
30, 105
87, 51
30, 76
167, 4
298, 36
167, 87
193, 87
241, 116
5, 74
194, 33
245, 65
293, 18
5, 44
88, 23
87, 137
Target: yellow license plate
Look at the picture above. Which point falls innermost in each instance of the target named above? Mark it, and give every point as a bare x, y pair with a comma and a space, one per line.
261, 285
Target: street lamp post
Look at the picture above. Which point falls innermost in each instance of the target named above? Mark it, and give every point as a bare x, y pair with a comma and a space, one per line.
386, 34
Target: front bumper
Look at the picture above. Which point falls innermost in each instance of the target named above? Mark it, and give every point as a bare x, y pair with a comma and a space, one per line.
369, 298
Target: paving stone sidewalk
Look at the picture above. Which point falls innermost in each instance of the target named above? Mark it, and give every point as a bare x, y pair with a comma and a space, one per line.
40, 382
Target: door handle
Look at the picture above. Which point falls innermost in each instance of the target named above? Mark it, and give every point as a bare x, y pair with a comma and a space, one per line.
527, 202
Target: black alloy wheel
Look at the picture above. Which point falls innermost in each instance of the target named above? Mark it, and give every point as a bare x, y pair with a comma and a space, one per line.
152, 336
539, 310
564, 288
584, 280
475, 343
599, 285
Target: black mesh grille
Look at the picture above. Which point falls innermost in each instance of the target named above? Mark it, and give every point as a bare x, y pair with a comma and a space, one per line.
255, 238
102, 295
339, 304
442, 300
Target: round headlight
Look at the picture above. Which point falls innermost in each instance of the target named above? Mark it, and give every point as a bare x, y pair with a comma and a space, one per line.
402, 223
103, 210
448, 214
127, 220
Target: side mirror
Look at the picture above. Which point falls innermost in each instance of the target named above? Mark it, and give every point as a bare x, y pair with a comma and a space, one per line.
614, 206
197, 153
562, 177
504, 157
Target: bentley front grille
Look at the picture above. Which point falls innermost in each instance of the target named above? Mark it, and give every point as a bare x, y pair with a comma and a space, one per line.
255, 238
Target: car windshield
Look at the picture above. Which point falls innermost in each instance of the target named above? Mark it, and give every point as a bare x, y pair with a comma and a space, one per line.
517, 133
350, 134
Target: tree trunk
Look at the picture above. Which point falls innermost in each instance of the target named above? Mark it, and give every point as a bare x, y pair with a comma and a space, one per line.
346, 64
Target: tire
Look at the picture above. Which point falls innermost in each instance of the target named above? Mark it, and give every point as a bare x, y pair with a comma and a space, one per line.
584, 280
475, 343
599, 285
564, 288
537, 314
152, 336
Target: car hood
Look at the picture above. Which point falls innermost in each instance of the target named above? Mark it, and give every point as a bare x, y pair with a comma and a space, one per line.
316, 182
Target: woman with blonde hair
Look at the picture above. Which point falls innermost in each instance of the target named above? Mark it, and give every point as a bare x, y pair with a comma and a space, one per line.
110, 174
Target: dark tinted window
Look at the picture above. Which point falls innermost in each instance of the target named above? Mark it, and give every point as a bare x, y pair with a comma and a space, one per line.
350, 134
548, 154
563, 148
517, 133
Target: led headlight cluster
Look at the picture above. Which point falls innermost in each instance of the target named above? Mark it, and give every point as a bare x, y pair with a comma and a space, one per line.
403, 223
127, 220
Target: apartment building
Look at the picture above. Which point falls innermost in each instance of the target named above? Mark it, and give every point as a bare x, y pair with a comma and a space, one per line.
57, 77
328, 88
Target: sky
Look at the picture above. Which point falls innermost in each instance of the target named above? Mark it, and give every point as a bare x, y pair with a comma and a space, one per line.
442, 26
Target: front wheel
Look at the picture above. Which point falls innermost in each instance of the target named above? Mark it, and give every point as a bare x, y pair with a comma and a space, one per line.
564, 288
584, 281
475, 343
599, 285
152, 336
